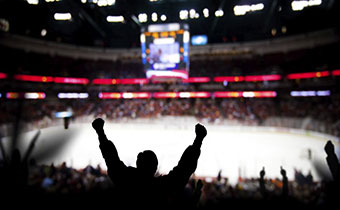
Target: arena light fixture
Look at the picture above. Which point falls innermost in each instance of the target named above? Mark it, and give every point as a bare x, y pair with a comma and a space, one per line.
33, 2
62, 16
143, 17
243, 9
300, 5
111, 2
219, 13
49, 1
115, 19
99, 3
183, 14
206, 12
192, 13
43, 32
163, 18
154, 17
102, 3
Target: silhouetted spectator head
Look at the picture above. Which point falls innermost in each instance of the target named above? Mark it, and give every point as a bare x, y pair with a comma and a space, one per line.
147, 162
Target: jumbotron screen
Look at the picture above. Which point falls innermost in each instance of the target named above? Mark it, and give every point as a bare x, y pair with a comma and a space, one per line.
165, 51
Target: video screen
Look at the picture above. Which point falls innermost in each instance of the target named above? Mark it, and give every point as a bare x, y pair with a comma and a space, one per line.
165, 51
166, 55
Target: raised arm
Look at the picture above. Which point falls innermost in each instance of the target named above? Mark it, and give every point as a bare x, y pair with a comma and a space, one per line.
201, 133
188, 162
108, 149
285, 189
263, 189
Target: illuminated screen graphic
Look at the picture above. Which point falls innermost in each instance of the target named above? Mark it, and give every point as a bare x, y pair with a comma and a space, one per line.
165, 51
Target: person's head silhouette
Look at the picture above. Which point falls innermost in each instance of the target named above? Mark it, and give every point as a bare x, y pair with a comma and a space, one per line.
147, 163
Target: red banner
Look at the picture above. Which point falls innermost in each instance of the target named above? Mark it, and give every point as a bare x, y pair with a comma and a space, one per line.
137, 81
132, 81
3, 75
306, 75
71, 80
229, 79
336, 72
255, 78
196, 80
104, 81
32, 78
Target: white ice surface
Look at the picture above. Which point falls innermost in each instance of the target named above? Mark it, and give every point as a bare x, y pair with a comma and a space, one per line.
234, 152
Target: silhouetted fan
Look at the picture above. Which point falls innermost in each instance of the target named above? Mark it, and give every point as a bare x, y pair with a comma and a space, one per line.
139, 186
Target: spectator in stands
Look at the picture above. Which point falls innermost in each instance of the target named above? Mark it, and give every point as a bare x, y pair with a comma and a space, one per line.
333, 188
263, 189
139, 186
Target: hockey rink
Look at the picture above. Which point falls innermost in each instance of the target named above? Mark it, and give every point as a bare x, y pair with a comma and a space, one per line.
234, 151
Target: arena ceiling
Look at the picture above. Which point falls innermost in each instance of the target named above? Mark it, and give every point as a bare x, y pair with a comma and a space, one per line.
87, 23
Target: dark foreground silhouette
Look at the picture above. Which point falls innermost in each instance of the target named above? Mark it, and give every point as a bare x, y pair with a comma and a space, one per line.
139, 186
26, 184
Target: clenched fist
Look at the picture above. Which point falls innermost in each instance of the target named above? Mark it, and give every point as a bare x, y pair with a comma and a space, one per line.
200, 130
98, 124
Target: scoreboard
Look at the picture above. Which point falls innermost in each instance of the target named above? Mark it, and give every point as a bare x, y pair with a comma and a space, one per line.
165, 51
